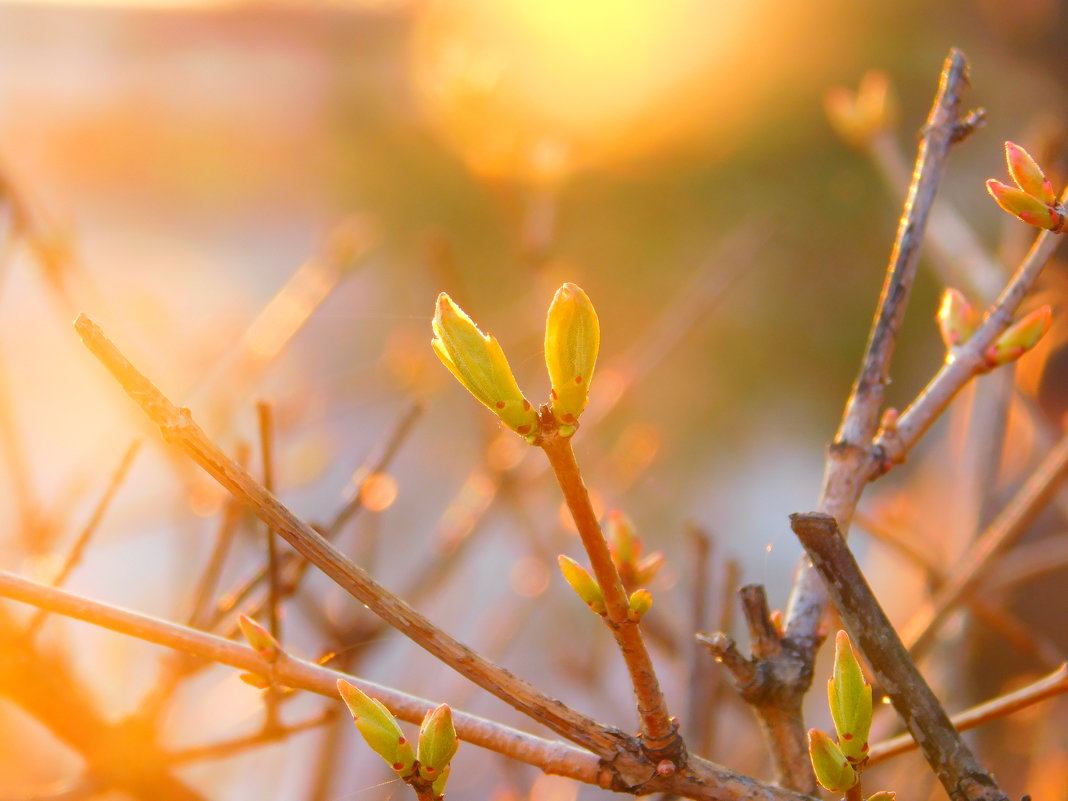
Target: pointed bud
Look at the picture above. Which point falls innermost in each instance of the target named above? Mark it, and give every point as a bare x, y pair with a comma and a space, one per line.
438, 787
437, 742
1027, 174
478, 363
259, 638
623, 541
1019, 337
641, 601
1029, 209
648, 567
572, 339
882, 795
379, 728
850, 701
860, 116
832, 769
583, 584
957, 319
255, 680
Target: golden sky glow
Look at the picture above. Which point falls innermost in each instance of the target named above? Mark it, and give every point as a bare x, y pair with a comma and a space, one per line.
534, 88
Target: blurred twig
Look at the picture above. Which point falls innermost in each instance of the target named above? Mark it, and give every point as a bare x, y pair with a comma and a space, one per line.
1056, 683
702, 780
1005, 529
77, 551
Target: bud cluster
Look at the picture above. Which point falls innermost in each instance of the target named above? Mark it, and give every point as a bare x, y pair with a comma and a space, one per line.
572, 339
1032, 199
958, 320
381, 731
625, 547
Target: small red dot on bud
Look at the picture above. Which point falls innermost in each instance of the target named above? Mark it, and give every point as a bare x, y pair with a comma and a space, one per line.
523, 429
847, 736
552, 392
864, 748
428, 769
665, 767
526, 405
578, 379
402, 740
398, 765
500, 404
568, 418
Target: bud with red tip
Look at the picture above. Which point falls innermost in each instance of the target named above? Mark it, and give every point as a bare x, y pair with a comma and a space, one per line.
379, 728
1032, 200
1019, 338
259, 638
831, 767
640, 602
437, 743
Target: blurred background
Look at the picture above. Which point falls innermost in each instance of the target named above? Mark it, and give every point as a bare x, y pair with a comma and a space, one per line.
259, 202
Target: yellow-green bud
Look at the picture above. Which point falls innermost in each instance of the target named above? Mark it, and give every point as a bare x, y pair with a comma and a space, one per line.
437, 743
1019, 337
882, 795
850, 701
259, 638
641, 601
623, 541
957, 319
379, 728
478, 362
572, 338
584, 585
438, 787
832, 769
255, 680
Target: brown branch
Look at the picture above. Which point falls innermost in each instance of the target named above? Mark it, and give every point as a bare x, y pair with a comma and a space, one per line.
700, 780
945, 751
1056, 683
660, 735
1005, 529
968, 360
702, 677
179, 429
851, 462
773, 683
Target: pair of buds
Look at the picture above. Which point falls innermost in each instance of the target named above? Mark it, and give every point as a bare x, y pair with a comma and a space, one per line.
437, 738
572, 339
837, 765
1032, 199
958, 320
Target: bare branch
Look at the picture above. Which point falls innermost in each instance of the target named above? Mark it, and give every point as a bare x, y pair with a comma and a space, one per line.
949, 757
700, 779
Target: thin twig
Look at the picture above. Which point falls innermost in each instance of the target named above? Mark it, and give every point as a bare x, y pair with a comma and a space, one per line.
1006, 528
660, 736
968, 360
1056, 683
178, 428
265, 422
849, 459
1002, 621
237, 745
701, 780
945, 751
702, 675
77, 551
